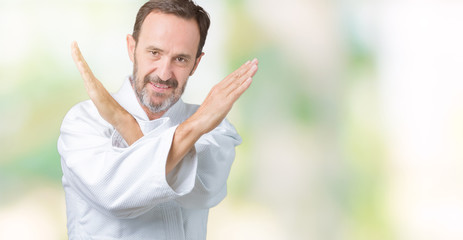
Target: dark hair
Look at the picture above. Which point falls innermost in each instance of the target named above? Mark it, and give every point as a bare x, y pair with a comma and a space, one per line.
186, 9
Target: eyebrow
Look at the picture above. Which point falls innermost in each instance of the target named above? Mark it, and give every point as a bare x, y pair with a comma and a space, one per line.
153, 48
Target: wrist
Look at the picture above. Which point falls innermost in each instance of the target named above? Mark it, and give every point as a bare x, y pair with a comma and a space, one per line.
197, 124
190, 128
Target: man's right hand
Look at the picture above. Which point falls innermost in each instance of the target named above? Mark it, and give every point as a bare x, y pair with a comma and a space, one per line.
109, 109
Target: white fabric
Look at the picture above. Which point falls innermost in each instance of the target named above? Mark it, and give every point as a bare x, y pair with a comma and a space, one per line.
115, 191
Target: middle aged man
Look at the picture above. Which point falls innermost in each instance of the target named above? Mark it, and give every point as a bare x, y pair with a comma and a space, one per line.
141, 164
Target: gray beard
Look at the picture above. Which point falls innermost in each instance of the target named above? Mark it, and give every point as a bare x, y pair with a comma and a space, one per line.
144, 97
155, 108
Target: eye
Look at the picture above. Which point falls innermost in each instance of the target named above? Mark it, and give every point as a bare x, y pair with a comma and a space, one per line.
154, 53
181, 59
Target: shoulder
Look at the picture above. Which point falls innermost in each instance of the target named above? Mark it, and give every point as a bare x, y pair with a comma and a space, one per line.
84, 116
81, 111
86, 107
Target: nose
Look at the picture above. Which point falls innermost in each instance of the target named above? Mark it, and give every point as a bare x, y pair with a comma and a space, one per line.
164, 70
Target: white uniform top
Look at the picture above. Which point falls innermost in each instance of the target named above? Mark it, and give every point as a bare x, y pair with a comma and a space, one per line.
115, 191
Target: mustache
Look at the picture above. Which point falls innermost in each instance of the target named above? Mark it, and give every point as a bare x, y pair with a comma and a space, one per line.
172, 82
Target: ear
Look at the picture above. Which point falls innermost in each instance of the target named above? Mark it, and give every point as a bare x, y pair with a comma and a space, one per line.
131, 44
198, 59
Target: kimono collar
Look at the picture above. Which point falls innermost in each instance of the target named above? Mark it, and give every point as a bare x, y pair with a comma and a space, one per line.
128, 100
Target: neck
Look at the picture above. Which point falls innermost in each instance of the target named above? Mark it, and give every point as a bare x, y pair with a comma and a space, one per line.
151, 115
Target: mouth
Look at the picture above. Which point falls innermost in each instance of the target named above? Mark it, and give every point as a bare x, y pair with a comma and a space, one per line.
159, 87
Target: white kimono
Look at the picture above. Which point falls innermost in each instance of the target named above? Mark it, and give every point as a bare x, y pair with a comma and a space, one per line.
115, 191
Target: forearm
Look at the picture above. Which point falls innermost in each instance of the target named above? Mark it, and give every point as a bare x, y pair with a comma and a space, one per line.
215, 152
185, 137
128, 127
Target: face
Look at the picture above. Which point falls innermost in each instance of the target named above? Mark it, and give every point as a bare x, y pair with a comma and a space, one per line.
164, 57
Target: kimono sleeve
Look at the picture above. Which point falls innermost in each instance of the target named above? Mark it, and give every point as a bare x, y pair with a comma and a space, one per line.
216, 153
119, 182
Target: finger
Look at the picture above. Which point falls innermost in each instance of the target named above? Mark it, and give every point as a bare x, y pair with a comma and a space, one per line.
238, 76
241, 70
236, 93
77, 56
244, 73
237, 81
82, 66
80, 62
243, 80
244, 69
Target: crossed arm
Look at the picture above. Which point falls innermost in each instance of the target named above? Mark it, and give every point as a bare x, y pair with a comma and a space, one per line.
212, 111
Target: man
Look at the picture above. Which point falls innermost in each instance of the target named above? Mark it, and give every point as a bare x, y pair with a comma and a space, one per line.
141, 164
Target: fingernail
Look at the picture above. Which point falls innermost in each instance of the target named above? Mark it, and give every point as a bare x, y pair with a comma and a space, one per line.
254, 68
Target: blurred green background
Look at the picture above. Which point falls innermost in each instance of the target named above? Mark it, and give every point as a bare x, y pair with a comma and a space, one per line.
352, 128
